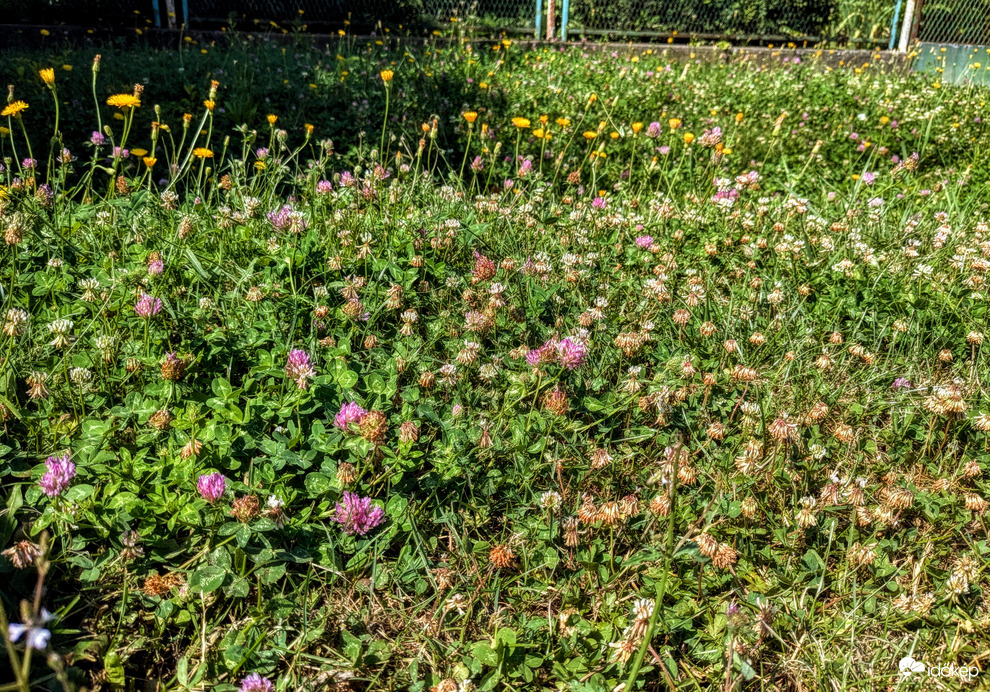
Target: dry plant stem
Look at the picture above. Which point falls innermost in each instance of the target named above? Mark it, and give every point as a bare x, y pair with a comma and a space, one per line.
662, 588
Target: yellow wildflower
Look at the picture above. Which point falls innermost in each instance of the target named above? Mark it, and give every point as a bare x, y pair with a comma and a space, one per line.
470, 116
149, 161
674, 123
688, 137
210, 104
521, 123
386, 76
14, 109
202, 153
123, 101
272, 119
47, 76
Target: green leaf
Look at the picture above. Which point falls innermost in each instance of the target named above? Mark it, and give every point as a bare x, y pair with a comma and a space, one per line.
505, 637
484, 653
207, 579
317, 484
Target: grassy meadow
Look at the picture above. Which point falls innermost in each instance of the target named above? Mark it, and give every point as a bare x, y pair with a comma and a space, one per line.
457, 366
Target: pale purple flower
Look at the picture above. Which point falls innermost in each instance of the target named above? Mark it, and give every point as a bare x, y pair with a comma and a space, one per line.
356, 515
261, 153
347, 179
868, 178
60, 473
644, 241
457, 411
97, 139
324, 186
533, 357
156, 267
349, 413
298, 367
256, 683
901, 383
477, 165
664, 150
37, 636
599, 202
148, 306
571, 354
29, 163
212, 486
653, 130
281, 218
119, 153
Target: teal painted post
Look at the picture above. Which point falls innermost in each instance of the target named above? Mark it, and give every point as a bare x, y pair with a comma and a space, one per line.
564, 11
185, 13
539, 19
893, 26
154, 11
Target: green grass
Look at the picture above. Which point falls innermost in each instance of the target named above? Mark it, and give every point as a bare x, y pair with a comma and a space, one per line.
679, 409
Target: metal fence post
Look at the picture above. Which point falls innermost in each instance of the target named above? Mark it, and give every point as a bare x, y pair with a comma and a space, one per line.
539, 19
155, 12
564, 10
907, 26
185, 13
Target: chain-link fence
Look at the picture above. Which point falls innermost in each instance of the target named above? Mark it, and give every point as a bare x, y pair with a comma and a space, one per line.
859, 23
955, 22
831, 23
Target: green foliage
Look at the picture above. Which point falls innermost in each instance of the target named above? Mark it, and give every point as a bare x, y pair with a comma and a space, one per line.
713, 386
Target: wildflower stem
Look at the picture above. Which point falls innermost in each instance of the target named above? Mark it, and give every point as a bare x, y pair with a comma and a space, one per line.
381, 147
662, 588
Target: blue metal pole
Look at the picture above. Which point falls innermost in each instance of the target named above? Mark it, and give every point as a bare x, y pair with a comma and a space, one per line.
563, 20
185, 13
893, 26
154, 11
539, 19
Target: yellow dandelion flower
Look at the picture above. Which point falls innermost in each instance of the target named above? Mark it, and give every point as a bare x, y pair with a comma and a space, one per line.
150, 161
14, 109
386, 76
538, 133
470, 116
309, 129
674, 123
139, 151
202, 153
46, 32
210, 104
636, 127
47, 76
67, 68
563, 122
124, 101
590, 134
688, 137
272, 119
4, 131
521, 123
259, 165
483, 85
